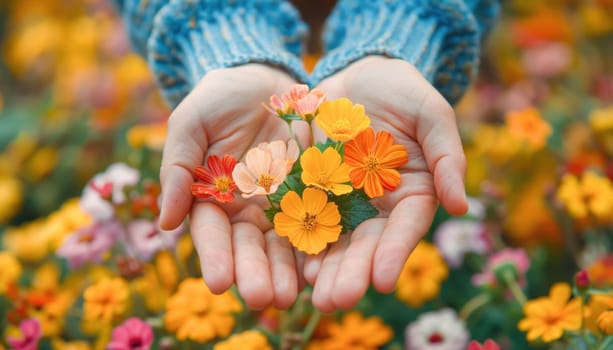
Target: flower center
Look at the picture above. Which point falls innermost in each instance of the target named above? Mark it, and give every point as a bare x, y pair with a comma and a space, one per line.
222, 183
309, 222
342, 127
372, 164
324, 179
265, 181
151, 234
551, 320
136, 343
86, 238
435, 338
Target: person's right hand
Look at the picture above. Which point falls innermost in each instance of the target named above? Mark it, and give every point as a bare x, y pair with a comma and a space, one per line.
224, 115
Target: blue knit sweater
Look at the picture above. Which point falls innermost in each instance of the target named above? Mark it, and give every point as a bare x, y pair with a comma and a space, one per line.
184, 39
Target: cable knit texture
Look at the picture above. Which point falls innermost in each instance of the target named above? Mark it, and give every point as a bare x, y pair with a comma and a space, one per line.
185, 39
440, 38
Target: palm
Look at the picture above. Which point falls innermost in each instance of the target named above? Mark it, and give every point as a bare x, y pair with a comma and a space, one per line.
398, 100
224, 115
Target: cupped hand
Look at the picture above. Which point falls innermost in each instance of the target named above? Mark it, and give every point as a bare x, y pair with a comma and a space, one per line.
224, 115
399, 100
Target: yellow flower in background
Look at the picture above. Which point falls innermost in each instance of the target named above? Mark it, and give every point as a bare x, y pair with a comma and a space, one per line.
11, 271
598, 304
132, 72
547, 318
422, 275
325, 170
354, 332
605, 322
151, 289
106, 300
601, 119
595, 20
25, 242
151, 136
195, 313
167, 270
496, 143
42, 163
341, 120
11, 197
529, 126
310, 222
591, 195
64, 221
59, 344
248, 340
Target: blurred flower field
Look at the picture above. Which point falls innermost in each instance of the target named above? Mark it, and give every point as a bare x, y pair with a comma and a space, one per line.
84, 266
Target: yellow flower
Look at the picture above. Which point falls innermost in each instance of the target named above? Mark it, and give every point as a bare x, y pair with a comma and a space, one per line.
325, 170
605, 322
248, 340
25, 241
42, 163
601, 120
106, 300
422, 275
59, 344
11, 271
598, 304
528, 125
596, 20
341, 120
11, 197
310, 223
151, 136
355, 332
195, 313
592, 195
547, 318
496, 143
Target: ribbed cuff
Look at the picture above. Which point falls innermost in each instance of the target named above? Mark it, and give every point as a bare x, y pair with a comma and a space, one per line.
440, 38
191, 38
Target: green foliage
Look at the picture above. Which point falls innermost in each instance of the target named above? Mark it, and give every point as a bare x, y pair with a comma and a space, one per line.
355, 208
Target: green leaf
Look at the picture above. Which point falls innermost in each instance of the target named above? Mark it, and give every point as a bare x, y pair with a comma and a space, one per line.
293, 182
354, 208
270, 213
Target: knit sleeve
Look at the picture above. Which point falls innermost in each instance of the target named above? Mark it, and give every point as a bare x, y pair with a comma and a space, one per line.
440, 38
184, 39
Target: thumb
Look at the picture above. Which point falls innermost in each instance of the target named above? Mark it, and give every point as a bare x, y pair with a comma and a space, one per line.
184, 149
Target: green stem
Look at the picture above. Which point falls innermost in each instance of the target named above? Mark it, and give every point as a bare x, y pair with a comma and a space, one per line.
516, 291
607, 343
472, 305
309, 329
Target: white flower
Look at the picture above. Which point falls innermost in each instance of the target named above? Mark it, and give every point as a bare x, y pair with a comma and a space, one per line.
476, 209
456, 237
437, 330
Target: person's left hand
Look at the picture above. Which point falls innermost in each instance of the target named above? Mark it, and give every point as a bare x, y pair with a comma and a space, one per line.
399, 100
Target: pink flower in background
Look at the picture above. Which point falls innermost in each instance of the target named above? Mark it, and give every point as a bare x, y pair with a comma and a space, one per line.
280, 150
108, 186
488, 345
260, 174
30, 334
437, 330
299, 100
90, 243
133, 334
517, 258
454, 238
147, 238
546, 60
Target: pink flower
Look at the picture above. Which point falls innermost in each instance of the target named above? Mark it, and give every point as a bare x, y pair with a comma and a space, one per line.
147, 238
106, 188
515, 258
299, 100
488, 345
547, 60
260, 174
89, 244
30, 334
133, 334
455, 238
279, 150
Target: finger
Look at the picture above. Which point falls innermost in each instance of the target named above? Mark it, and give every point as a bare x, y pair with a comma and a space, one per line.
183, 150
283, 268
322, 291
438, 135
406, 225
211, 233
251, 266
312, 264
354, 271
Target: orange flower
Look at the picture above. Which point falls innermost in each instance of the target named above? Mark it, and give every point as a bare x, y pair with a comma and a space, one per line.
325, 170
310, 223
422, 275
106, 300
374, 159
341, 120
528, 125
355, 332
605, 322
547, 318
247, 340
217, 180
195, 313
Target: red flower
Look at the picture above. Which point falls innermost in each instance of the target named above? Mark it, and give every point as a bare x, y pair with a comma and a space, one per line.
488, 345
217, 180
